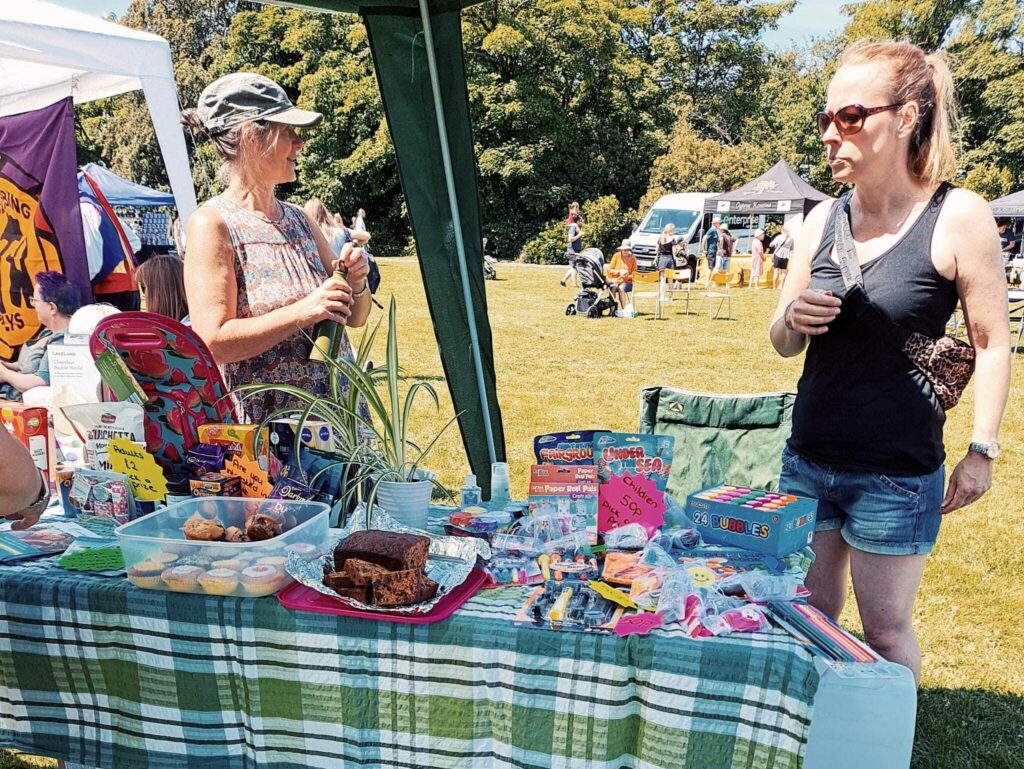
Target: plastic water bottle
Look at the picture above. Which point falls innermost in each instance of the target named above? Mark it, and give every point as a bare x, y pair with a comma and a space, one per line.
499, 484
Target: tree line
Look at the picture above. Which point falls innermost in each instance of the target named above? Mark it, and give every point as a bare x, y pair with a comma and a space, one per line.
609, 102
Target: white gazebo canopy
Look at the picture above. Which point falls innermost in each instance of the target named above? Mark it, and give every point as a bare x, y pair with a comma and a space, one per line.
48, 53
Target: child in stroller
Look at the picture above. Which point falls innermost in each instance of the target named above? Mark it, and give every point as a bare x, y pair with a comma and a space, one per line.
595, 297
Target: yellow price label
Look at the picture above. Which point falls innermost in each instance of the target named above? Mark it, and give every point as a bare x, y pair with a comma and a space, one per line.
615, 596
254, 480
144, 475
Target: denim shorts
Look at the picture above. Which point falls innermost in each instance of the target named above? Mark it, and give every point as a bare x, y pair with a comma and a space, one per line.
884, 514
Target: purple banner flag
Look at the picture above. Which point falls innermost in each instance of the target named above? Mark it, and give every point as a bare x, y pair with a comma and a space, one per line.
40, 223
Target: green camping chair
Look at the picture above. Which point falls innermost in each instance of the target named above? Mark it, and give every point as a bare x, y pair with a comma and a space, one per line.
735, 439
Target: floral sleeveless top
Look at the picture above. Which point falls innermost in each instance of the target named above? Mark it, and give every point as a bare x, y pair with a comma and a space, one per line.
276, 264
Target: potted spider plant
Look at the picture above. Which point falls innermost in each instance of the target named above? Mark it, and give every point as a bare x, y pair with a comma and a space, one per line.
382, 462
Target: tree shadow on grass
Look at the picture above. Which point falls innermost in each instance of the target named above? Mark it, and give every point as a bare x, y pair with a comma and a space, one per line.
968, 729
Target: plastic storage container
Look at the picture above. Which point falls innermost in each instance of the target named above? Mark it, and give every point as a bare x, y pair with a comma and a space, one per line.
158, 556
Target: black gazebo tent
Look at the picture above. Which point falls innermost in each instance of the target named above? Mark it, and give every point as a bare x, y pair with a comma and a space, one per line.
777, 191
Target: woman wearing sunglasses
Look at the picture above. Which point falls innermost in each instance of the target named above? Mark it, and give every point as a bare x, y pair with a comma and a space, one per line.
867, 427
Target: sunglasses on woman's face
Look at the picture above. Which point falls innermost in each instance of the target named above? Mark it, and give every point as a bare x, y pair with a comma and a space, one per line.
850, 119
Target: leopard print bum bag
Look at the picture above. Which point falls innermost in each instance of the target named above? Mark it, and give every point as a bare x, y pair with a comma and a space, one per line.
947, 363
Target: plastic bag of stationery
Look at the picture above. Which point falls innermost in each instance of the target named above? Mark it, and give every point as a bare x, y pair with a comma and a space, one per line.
514, 559
547, 528
624, 567
632, 536
760, 586
745, 618
569, 557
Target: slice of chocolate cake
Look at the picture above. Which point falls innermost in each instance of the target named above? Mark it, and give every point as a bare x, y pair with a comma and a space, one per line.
393, 551
428, 589
363, 572
343, 585
396, 588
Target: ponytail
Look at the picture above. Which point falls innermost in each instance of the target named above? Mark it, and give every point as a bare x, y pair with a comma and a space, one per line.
925, 79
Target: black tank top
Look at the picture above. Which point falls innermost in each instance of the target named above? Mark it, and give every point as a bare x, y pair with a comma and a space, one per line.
861, 404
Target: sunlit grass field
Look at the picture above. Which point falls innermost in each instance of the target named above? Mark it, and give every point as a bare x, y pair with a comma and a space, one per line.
557, 373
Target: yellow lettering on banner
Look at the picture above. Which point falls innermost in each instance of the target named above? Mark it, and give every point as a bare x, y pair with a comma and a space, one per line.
254, 480
144, 474
615, 596
25, 249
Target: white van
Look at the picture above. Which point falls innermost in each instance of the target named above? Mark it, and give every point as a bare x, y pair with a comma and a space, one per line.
684, 209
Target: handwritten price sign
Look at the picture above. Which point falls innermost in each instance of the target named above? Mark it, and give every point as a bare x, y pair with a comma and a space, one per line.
630, 499
144, 474
254, 480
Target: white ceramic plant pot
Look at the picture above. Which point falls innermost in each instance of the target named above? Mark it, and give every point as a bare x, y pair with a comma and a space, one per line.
406, 501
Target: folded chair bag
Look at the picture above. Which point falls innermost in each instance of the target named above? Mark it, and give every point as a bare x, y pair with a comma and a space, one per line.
734, 439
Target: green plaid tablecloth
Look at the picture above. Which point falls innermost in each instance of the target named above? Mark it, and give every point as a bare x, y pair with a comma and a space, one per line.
97, 671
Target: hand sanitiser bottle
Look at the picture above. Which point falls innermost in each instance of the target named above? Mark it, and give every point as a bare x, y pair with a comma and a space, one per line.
469, 495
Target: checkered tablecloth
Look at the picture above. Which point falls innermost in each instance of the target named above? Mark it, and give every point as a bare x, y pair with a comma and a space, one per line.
97, 671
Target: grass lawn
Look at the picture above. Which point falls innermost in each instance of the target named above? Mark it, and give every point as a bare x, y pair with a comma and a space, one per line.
557, 373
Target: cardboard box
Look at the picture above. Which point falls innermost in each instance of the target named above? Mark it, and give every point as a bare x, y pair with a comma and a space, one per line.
316, 435
31, 426
759, 521
237, 439
216, 485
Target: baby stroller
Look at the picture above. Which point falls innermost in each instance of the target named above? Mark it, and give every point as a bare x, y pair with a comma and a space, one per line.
595, 297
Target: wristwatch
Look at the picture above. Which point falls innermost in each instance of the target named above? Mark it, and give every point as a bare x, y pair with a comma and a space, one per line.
988, 450
42, 501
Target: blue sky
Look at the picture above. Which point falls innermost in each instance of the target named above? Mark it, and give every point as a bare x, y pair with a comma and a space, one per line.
812, 18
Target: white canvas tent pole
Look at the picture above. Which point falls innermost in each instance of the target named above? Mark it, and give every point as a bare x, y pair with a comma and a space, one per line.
162, 100
460, 248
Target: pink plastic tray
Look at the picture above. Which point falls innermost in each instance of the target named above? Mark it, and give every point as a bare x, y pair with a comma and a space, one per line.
304, 598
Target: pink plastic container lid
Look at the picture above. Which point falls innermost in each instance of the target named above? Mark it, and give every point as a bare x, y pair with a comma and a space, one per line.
302, 598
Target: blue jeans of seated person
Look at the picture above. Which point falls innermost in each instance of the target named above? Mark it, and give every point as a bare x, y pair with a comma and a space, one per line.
875, 513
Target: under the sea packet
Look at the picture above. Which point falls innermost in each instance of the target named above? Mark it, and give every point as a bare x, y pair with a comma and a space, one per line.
635, 453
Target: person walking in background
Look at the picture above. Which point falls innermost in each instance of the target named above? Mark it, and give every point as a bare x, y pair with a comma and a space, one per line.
867, 438
1007, 244
725, 250
359, 225
709, 245
574, 229
781, 247
162, 287
337, 237
666, 259
177, 236
756, 257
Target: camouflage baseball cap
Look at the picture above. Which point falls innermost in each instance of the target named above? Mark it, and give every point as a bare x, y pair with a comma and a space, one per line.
234, 99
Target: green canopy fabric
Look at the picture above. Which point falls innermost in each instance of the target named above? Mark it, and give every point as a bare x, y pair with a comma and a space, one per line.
434, 174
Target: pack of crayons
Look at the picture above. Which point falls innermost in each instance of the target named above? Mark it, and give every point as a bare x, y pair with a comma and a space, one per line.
820, 633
